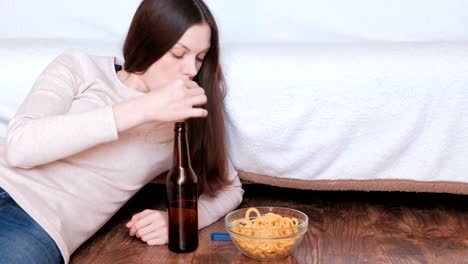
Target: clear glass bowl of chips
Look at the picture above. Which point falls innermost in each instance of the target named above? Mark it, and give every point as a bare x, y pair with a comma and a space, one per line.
266, 232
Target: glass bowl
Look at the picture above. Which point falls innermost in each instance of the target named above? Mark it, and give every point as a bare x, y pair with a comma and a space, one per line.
262, 242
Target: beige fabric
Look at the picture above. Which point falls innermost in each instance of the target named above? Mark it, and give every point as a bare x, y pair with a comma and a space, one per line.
358, 185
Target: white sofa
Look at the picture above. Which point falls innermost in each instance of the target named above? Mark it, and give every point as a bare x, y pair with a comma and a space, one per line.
335, 95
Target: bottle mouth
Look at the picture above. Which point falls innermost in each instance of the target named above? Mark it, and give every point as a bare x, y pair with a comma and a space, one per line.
180, 127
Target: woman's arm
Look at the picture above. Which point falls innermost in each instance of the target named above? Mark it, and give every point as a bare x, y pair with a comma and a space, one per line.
43, 131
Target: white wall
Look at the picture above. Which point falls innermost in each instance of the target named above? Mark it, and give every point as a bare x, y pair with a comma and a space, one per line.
252, 20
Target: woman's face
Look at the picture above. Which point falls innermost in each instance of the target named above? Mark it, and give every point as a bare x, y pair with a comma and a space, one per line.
182, 61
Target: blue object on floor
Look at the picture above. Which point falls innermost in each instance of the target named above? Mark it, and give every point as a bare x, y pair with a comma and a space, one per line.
220, 236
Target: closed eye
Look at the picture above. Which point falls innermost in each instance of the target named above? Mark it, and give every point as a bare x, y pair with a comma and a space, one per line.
177, 56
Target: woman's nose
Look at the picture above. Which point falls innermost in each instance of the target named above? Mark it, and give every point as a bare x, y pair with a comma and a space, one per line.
190, 68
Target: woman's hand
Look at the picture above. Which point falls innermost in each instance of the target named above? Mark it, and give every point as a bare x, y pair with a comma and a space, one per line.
150, 226
173, 102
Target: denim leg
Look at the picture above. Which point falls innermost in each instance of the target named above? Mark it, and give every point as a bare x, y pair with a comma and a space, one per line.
22, 240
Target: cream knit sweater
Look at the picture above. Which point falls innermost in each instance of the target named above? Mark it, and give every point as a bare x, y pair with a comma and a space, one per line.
65, 164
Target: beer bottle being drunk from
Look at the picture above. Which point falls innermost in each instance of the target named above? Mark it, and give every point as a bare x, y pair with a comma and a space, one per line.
182, 196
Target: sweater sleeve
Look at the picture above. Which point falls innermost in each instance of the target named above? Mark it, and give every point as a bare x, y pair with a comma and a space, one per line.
43, 130
210, 209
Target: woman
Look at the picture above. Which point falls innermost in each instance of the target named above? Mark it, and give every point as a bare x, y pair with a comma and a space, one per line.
89, 136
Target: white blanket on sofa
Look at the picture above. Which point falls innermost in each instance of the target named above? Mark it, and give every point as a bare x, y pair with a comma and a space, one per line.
330, 112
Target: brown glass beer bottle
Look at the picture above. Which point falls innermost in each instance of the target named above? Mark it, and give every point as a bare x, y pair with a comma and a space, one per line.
182, 196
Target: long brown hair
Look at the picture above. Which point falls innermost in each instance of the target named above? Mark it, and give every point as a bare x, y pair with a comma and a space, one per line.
157, 26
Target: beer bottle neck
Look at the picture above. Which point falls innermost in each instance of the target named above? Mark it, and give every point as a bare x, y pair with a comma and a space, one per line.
181, 152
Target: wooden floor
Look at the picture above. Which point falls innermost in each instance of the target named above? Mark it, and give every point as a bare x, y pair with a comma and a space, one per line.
344, 227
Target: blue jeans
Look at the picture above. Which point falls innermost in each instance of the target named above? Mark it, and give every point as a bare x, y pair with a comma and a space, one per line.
22, 240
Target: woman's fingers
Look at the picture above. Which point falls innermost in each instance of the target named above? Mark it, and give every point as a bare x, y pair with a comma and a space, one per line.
160, 235
147, 229
197, 100
141, 224
137, 217
197, 112
192, 102
178, 100
195, 91
150, 226
190, 84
